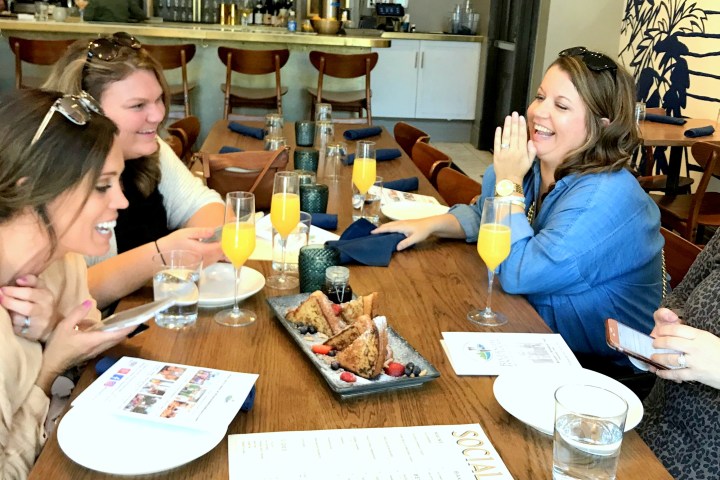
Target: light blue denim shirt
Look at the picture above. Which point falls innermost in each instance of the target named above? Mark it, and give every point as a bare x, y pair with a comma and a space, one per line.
592, 252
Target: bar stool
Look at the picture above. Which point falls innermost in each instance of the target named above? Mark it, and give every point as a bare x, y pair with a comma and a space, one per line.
344, 66
253, 62
37, 52
171, 57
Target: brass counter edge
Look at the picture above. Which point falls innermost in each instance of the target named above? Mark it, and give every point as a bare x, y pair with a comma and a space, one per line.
438, 37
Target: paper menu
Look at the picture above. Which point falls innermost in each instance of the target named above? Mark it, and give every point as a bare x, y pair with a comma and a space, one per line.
168, 393
389, 196
485, 353
439, 452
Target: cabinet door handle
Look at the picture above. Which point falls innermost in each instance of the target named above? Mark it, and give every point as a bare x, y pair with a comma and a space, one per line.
416, 59
422, 59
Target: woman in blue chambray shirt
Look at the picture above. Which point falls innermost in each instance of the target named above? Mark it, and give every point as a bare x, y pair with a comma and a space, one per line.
585, 237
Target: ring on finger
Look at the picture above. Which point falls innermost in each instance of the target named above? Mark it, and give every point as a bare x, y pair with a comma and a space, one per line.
682, 361
504, 145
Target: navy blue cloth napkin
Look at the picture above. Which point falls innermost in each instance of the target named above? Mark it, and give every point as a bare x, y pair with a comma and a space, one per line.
360, 133
381, 155
254, 132
699, 131
653, 117
328, 221
228, 149
403, 184
357, 245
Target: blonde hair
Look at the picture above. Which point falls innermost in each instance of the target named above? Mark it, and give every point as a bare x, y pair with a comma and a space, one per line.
74, 72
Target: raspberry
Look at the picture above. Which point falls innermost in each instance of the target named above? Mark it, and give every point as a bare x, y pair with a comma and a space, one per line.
347, 377
336, 308
395, 369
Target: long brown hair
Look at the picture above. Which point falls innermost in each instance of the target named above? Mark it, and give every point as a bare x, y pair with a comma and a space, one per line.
74, 73
64, 157
606, 94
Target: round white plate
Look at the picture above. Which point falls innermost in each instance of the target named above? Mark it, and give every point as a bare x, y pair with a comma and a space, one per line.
124, 446
217, 284
412, 210
529, 394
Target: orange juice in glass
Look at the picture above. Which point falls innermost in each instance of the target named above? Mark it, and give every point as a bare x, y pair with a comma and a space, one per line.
238, 242
285, 212
493, 244
364, 168
285, 216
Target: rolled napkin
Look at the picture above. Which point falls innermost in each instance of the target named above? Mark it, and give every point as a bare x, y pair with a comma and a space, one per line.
229, 149
699, 131
326, 221
654, 117
403, 184
356, 244
381, 155
360, 133
254, 132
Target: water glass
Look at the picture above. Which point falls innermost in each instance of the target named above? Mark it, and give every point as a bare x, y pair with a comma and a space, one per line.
314, 198
304, 133
335, 154
298, 238
177, 273
371, 208
313, 260
324, 134
639, 112
272, 143
274, 125
589, 426
306, 177
41, 11
306, 159
323, 112
60, 14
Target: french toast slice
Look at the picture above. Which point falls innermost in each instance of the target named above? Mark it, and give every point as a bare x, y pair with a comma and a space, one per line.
348, 335
362, 305
317, 311
366, 355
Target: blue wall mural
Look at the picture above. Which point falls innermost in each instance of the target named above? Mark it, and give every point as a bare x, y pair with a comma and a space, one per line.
672, 47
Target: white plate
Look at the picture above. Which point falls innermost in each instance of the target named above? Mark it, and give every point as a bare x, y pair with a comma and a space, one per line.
217, 284
125, 446
529, 394
412, 210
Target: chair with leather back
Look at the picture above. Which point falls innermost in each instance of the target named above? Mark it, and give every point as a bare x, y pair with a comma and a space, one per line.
187, 131
679, 255
344, 66
684, 213
251, 171
429, 160
37, 52
456, 187
658, 183
406, 136
252, 62
171, 57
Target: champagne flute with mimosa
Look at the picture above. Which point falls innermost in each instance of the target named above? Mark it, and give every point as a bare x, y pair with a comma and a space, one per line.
494, 247
285, 216
238, 243
364, 168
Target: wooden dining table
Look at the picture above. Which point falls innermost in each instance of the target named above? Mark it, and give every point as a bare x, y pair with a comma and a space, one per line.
425, 291
655, 134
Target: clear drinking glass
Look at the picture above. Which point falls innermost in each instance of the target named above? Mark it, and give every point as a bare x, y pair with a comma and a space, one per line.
494, 247
284, 215
334, 156
238, 243
323, 112
274, 125
364, 168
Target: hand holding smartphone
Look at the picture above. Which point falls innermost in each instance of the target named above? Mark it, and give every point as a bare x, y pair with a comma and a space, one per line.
133, 316
216, 236
633, 343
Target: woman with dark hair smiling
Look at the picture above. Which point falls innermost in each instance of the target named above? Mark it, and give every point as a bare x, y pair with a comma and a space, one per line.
585, 240
59, 193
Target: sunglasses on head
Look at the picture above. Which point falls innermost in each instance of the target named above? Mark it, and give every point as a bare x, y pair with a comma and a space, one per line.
108, 48
595, 61
76, 108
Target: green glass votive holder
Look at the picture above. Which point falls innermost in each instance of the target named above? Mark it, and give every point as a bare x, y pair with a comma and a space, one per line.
314, 198
304, 133
306, 159
313, 260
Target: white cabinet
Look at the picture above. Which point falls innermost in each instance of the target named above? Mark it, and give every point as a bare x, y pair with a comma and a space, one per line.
426, 79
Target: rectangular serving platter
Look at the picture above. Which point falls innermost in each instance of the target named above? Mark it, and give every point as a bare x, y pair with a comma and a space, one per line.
403, 352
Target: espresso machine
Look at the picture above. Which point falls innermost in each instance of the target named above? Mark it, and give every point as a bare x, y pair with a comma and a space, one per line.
389, 16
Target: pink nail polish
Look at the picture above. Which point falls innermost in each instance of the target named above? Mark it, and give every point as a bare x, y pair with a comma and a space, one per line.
87, 303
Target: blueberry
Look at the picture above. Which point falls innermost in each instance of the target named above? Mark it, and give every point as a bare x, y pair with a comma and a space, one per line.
303, 329
332, 353
335, 365
408, 370
410, 365
312, 329
417, 370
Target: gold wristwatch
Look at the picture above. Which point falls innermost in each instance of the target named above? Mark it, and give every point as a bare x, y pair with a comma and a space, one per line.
505, 188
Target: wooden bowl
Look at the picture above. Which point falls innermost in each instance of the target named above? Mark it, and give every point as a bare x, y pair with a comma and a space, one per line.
326, 26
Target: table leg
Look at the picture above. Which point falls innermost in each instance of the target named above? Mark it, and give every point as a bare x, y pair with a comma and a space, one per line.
673, 174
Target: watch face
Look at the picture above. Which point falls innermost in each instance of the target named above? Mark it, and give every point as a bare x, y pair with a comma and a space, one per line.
504, 188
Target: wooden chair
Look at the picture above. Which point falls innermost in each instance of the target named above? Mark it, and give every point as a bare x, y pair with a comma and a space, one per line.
172, 57
406, 136
679, 255
253, 62
187, 131
658, 183
344, 66
685, 212
37, 52
456, 187
251, 171
429, 160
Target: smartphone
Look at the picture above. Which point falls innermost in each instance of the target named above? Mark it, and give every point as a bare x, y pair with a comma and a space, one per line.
216, 236
133, 316
633, 343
